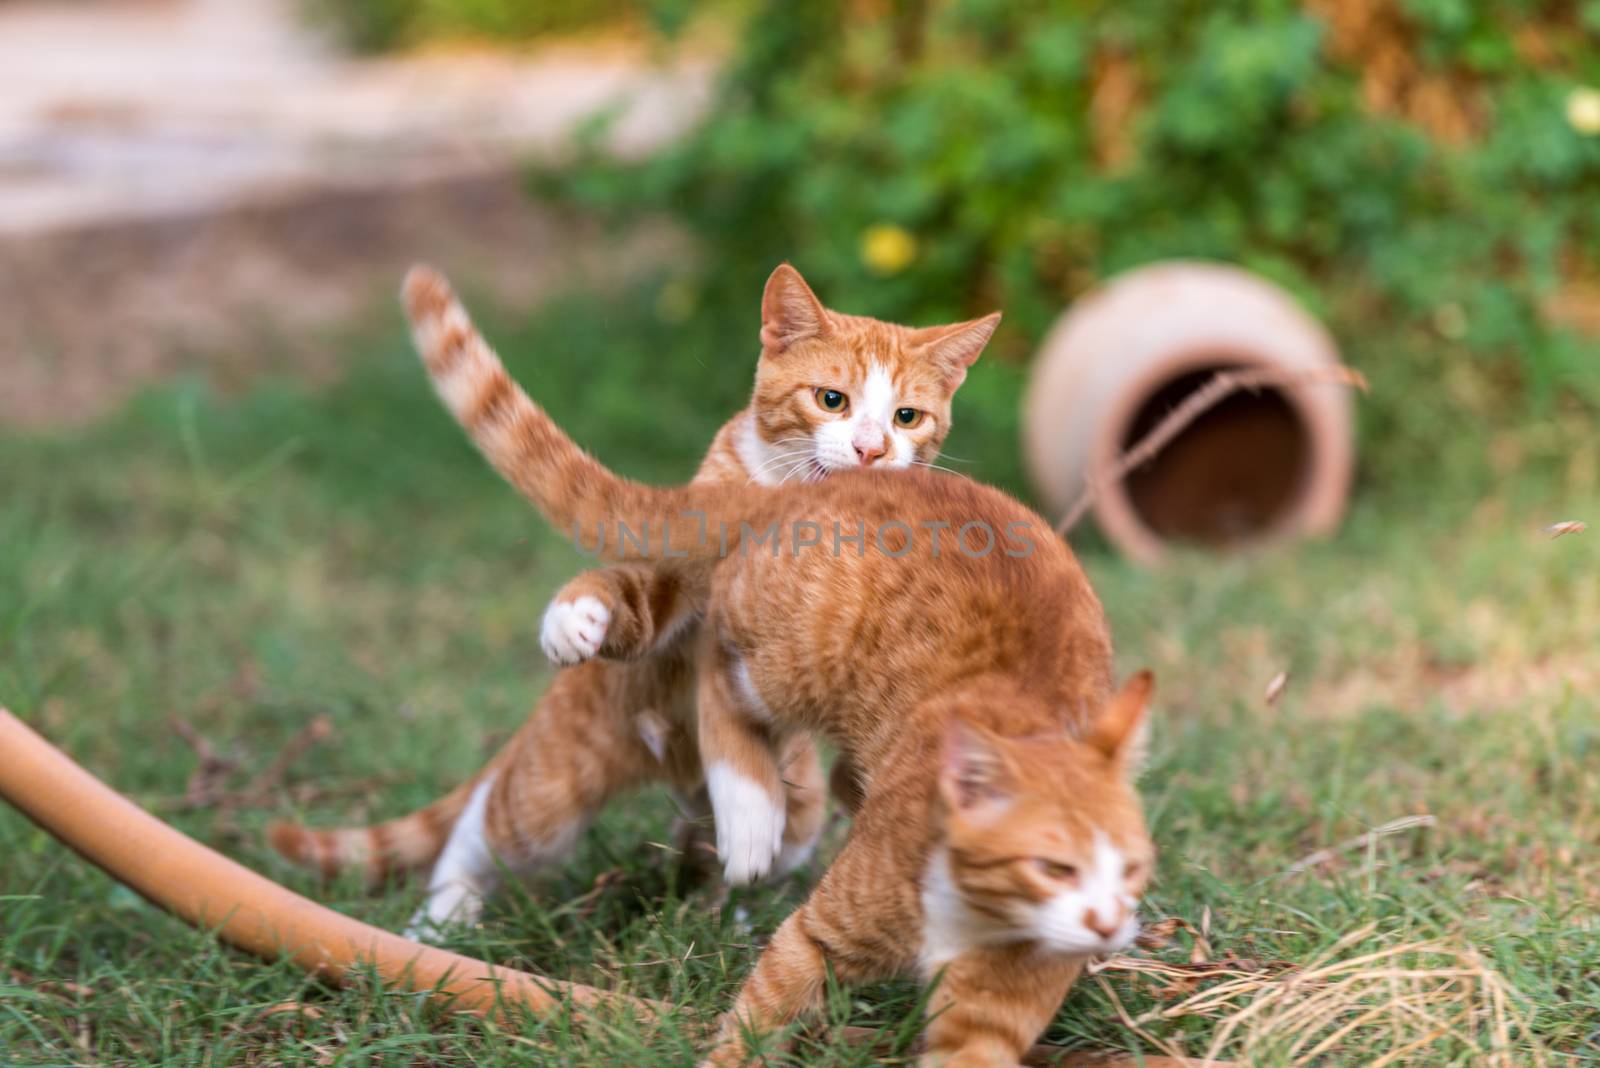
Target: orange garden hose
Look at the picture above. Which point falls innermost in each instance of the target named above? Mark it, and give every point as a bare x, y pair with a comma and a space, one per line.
255, 914
204, 888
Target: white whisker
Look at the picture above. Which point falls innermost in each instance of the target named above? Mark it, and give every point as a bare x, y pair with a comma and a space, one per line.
775, 474
772, 461
795, 469
775, 461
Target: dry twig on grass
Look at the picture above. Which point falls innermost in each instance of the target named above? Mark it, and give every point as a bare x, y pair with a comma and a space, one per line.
1222, 386
1360, 841
205, 782
206, 785
263, 785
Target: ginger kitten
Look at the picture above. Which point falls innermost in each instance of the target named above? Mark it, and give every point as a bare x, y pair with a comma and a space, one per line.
877, 396
998, 842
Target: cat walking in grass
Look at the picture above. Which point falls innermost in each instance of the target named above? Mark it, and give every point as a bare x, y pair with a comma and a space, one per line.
998, 842
874, 395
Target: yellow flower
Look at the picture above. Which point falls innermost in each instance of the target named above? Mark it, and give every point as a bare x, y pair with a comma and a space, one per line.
1583, 110
887, 249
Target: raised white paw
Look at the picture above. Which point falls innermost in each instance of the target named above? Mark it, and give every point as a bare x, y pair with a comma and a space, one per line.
749, 824
573, 630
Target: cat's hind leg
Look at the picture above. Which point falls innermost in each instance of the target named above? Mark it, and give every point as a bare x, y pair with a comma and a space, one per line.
465, 873
580, 748
740, 754
805, 801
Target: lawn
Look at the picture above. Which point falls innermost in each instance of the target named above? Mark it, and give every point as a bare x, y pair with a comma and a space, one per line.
241, 566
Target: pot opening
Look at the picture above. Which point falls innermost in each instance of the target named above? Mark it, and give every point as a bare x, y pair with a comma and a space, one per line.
1231, 476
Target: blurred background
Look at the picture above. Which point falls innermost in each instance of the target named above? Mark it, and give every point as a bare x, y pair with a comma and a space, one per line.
213, 188
227, 494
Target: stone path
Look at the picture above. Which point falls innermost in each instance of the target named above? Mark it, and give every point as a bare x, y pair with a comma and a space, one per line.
207, 184
121, 110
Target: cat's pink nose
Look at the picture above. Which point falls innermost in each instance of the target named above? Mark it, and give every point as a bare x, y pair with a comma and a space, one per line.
1104, 927
867, 453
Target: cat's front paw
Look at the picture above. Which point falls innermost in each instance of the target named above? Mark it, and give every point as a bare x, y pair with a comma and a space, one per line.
749, 824
574, 630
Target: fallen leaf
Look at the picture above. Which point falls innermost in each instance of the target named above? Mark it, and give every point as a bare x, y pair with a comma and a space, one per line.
58, 987
1157, 934
1275, 687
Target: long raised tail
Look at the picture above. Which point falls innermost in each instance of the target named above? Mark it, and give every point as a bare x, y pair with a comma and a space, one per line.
382, 850
576, 493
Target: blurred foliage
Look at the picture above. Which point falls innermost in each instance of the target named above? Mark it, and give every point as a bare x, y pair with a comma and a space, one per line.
1419, 172
376, 25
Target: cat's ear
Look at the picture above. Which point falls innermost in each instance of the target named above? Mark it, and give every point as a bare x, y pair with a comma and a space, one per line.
957, 346
1121, 731
976, 779
790, 312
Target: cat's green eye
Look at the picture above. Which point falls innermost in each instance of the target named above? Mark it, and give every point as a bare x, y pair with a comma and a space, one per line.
907, 417
831, 400
1055, 870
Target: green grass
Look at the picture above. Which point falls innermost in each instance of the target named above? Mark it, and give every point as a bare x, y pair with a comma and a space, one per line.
250, 564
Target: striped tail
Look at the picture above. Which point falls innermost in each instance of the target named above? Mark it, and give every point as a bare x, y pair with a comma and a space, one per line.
576, 493
378, 852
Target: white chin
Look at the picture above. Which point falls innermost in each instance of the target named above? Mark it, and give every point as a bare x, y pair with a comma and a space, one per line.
827, 467
1084, 945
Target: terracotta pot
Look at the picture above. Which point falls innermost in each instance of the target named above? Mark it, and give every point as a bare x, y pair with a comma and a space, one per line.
1260, 467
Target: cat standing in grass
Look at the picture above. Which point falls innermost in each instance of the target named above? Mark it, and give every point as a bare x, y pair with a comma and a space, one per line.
873, 395
998, 842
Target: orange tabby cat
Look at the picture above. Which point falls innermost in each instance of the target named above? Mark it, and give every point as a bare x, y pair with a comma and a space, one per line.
606, 727
998, 841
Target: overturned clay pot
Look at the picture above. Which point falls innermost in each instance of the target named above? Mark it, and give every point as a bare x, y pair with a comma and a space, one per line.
1262, 466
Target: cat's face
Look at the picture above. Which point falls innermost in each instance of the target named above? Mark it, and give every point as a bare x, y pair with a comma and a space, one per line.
838, 391
1045, 840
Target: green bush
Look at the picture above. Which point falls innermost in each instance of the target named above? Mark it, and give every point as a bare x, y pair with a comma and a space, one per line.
923, 160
